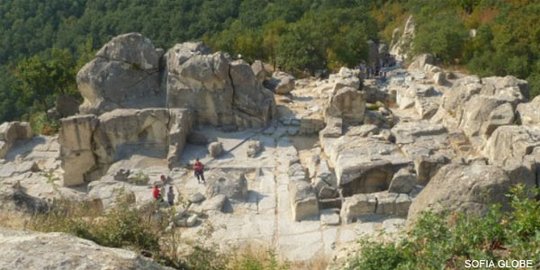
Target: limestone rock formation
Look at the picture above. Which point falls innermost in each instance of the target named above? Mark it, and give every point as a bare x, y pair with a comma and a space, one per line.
10, 132
465, 188
215, 149
363, 165
513, 144
304, 202
31, 250
232, 184
402, 182
357, 206
76, 148
401, 44
529, 113
281, 83
124, 74
218, 91
91, 144
348, 104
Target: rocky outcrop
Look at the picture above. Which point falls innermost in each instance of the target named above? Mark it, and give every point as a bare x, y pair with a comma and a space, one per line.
304, 202
31, 250
281, 83
90, 144
76, 150
218, 91
232, 184
124, 74
347, 104
465, 188
10, 132
363, 165
513, 144
402, 182
401, 44
529, 114
480, 106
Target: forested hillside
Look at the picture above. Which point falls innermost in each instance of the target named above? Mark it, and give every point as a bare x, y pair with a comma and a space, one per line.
45, 43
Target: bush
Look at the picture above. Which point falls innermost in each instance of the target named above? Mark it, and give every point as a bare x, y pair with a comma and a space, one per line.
446, 240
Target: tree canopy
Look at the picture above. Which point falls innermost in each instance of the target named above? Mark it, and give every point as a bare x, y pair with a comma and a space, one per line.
44, 43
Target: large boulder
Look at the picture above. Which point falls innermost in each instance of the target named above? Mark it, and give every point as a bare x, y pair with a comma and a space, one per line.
122, 132
90, 144
402, 182
249, 96
32, 250
346, 103
303, 199
357, 206
511, 144
469, 189
232, 184
76, 153
200, 81
363, 165
124, 74
401, 45
529, 113
281, 83
10, 132
218, 91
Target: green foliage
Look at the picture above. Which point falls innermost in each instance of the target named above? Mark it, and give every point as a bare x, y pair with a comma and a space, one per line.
41, 124
445, 241
444, 37
44, 44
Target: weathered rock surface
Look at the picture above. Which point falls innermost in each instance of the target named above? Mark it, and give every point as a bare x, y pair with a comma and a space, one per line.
512, 144
464, 188
30, 250
76, 148
402, 182
215, 149
357, 206
363, 165
10, 132
529, 113
91, 144
232, 184
124, 74
348, 104
218, 91
281, 83
304, 202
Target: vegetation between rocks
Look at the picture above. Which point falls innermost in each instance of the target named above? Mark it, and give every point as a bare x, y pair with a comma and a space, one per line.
447, 240
144, 230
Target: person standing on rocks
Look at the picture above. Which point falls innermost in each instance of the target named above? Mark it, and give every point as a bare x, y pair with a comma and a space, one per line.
198, 167
170, 196
156, 194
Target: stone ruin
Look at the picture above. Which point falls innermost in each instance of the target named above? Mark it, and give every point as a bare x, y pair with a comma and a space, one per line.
138, 98
301, 164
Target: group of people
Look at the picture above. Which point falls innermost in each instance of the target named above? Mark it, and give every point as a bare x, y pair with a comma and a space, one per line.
159, 193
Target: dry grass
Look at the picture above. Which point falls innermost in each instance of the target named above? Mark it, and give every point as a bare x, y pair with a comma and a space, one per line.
319, 263
13, 220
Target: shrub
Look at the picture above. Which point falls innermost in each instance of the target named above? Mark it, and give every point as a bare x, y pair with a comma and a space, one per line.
446, 240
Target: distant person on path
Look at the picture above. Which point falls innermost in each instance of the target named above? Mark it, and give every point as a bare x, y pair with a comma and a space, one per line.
198, 167
170, 196
156, 194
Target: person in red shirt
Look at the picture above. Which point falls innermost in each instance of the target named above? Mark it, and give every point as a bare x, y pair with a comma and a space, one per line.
156, 193
198, 167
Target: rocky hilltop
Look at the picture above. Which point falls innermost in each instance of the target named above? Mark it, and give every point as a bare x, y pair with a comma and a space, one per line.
301, 166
